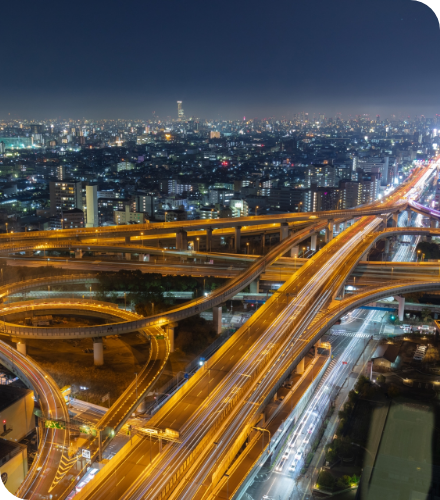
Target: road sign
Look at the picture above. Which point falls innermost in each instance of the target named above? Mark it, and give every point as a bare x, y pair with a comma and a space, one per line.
160, 337
85, 453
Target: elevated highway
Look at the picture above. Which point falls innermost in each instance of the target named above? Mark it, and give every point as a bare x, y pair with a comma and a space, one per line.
226, 411
48, 468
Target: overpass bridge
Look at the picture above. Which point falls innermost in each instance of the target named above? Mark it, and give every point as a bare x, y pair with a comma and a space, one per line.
213, 431
268, 340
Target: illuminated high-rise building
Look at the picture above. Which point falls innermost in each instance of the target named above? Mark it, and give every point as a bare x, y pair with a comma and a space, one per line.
180, 112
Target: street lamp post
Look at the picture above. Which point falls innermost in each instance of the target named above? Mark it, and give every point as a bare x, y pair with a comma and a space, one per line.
198, 244
142, 239
125, 301
256, 208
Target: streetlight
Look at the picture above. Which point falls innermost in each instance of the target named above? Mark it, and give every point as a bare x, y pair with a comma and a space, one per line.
198, 244
247, 247
418, 256
90, 291
142, 239
304, 252
165, 217
256, 208
125, 300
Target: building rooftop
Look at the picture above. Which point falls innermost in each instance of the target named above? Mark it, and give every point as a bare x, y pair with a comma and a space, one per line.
9, 395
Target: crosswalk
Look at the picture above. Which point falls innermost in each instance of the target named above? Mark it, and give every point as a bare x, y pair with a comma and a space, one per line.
343, 333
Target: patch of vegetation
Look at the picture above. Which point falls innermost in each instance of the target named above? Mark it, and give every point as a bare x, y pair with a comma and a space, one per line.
430, 249
327, 481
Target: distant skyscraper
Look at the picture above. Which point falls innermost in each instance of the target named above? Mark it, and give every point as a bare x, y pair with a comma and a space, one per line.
180, 112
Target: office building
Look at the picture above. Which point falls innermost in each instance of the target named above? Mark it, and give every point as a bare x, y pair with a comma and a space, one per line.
126, 216
92, 206
123, 165
180, 112
239, 208
65, 196
321, 175
72, 219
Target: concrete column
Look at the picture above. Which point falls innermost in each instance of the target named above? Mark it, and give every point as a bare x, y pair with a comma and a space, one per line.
365, 256
385, 221
263, 240
217, 317
342, 227
395, 219
78, 254
169, 330
237, 240
127, 256
409, 212
255, 286
181, 240
284, 231
300, 367
401, 302
98, 352
314, 242
432, 223
208, 239
127, 240
294, 252
329, 231
21, 346
387, 246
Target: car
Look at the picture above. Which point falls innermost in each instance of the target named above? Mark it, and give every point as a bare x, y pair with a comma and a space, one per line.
286, 454
80, 486
311, 428
292, 468
299, 454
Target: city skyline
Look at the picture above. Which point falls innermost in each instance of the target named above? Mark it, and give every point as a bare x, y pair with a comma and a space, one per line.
225, 63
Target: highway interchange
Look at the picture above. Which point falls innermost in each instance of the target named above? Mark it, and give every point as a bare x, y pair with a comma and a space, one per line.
216, 408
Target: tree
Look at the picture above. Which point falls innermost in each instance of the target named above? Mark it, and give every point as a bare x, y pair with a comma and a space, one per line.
380, 379
426, 315
326, 480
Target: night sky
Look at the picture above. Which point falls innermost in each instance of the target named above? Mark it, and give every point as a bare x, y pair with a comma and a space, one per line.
224, 59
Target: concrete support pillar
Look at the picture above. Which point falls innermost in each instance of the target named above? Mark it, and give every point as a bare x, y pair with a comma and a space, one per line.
401, 302
21, 346
342, 227
365, 256
237, 240
217, 317
284, 231
329, 231
127, 240
294, 252
255, 286
395, 219
300, 367
208, 239
387, 246
98, 352
78, 254
169, 330
181, 240
127, 256
409, 212
263, 240
432, 223
314, 242
385, 221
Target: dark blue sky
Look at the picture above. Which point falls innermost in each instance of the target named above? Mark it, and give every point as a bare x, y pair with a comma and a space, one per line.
126, 59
